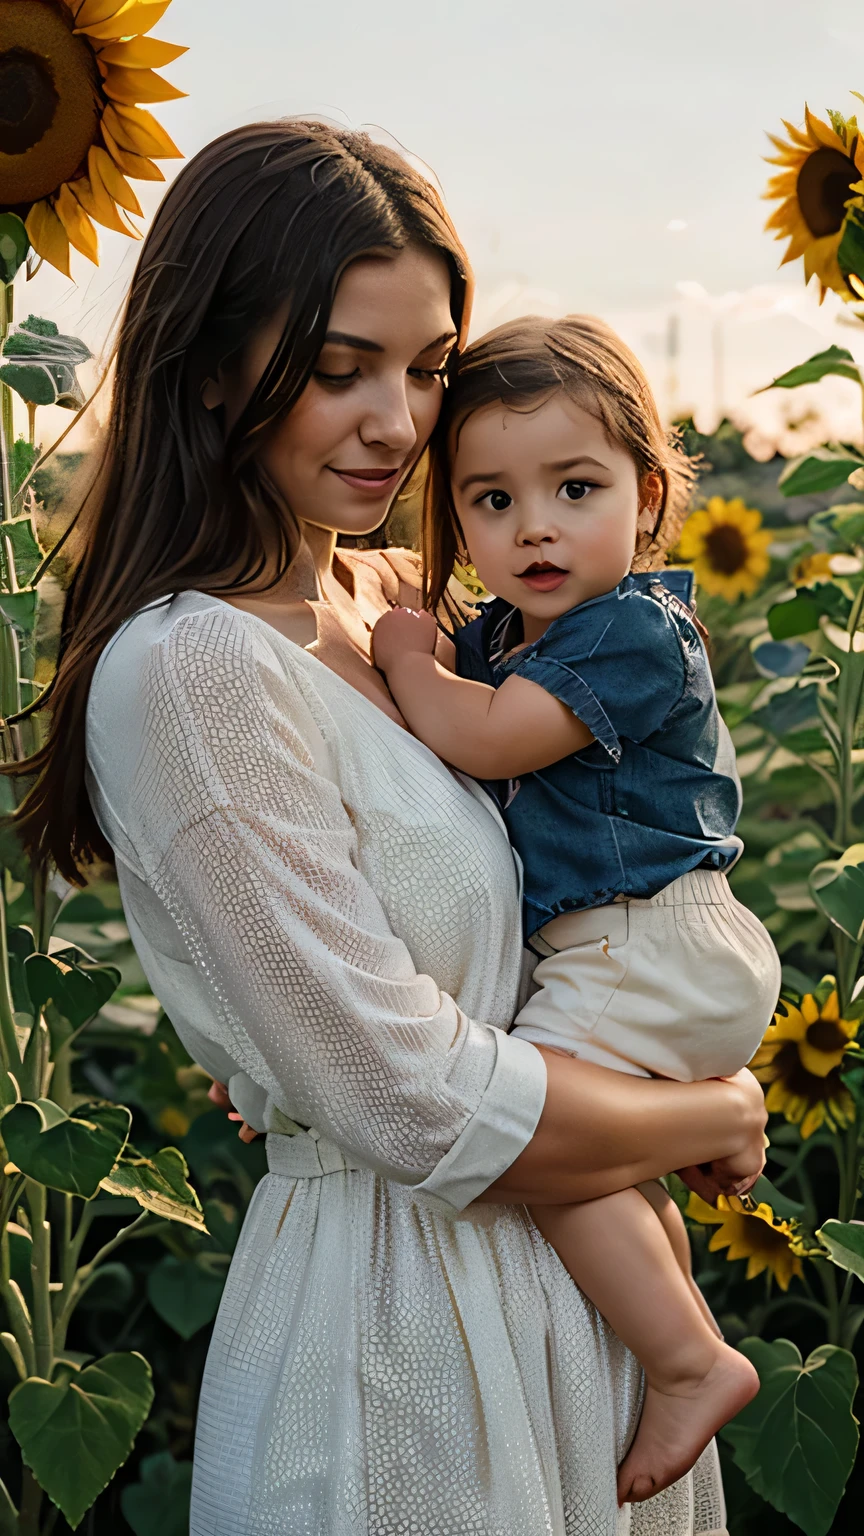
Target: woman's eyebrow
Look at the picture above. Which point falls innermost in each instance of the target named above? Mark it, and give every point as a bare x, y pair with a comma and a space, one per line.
363, 344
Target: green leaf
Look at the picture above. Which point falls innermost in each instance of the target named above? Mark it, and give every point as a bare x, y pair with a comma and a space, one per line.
159, 1184
832, 360
185, 1295
796, 1442
764, 1192
158, 1505
74, 1436
39, 364
820, 470
14, 245
843, 525
72, 1153
77, 991
838, 890
19, 608
26, 550
850, 252
798, 616
845, 1243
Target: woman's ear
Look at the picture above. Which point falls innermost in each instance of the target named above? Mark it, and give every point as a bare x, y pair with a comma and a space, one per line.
212, 394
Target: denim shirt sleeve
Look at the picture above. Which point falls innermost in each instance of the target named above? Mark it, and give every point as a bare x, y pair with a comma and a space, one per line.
617, 664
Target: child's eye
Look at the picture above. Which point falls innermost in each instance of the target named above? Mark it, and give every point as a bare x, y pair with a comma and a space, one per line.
575, 490
499, 501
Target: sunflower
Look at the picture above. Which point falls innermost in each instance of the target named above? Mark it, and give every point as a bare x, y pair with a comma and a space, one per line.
727, 547
755, 1235
812, 569
72, 131
800, 1060
820, 180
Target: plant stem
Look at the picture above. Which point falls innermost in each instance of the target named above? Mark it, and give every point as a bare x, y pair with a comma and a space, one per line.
88, 1272
8, 1512
40, 1270
10, 1056
31, 1504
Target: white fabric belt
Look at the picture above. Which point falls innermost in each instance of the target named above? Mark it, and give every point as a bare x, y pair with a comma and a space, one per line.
305, 1156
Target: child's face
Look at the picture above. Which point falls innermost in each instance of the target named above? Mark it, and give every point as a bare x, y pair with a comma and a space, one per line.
548, 505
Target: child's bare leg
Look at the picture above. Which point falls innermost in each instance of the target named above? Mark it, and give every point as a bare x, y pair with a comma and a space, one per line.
672, 1223
618, 1253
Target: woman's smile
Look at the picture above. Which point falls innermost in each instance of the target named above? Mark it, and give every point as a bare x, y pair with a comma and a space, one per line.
370, 482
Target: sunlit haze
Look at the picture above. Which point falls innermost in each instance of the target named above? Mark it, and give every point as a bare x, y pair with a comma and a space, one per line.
602, 157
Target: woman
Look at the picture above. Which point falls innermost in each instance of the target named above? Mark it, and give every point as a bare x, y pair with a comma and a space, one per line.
329, 916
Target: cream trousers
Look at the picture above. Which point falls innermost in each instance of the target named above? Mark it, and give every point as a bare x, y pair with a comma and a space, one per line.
682, 985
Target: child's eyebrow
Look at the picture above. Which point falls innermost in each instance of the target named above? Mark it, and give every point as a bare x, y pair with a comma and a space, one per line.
583, 460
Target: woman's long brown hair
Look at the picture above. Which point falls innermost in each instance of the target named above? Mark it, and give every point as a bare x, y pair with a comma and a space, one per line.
265, 215
520, 364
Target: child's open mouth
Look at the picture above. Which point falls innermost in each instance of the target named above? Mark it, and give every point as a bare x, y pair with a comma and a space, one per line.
543, 577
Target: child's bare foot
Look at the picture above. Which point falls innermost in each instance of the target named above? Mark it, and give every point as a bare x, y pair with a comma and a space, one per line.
678, 1422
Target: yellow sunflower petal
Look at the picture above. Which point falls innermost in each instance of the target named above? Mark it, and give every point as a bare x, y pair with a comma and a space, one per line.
93, 11
138, 131
809, 1009
141, 53
831, 1008
48, 237
812, 1121
95, 201
77, 224
103, 170
823, 132
699, 1210
817, 1062
136, 166
134, 85
131, 20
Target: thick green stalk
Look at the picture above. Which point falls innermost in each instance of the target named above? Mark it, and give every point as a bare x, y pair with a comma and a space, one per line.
8, 1512
7, 438
10, 1056
40, 1271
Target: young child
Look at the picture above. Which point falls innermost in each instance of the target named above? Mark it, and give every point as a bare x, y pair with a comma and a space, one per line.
584, 699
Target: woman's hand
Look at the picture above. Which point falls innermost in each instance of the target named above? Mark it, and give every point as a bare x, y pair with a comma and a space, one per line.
217, 1093
402, 631
737, 1173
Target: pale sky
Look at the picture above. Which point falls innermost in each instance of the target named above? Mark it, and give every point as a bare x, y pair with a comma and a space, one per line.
567, 136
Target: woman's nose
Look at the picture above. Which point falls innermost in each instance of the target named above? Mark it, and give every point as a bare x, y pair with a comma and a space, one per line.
389, 422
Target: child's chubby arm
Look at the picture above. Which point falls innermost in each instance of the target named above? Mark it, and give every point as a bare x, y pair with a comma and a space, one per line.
491, 733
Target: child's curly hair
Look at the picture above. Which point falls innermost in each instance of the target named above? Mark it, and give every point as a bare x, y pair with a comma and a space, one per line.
518, 364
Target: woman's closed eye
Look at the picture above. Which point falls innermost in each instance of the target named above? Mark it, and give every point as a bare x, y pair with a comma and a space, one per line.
575, 490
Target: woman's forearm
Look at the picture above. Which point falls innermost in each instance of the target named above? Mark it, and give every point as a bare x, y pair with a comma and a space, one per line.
601, 1131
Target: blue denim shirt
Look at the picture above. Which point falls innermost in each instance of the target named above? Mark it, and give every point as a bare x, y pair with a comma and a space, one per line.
656, 793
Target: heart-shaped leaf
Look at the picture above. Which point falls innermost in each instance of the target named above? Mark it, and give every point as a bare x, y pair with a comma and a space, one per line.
838, 890
158, 1505
185, 1295
845, 1243
77, 992
72, 1153
159, 1183
796, 1442
73, 1436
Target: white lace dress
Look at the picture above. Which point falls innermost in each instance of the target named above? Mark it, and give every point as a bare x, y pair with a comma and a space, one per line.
330, 919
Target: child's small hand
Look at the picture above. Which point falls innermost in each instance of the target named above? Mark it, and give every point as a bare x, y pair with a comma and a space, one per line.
401, 631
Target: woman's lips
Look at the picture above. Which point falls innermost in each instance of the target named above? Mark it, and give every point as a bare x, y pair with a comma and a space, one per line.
371, 482
544, 578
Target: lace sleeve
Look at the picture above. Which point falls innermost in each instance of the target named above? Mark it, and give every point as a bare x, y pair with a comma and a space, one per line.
242, 834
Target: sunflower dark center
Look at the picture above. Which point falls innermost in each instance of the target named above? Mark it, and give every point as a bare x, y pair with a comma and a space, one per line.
788, 1069
28, 101
726, 549
823, 190
825, 1036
